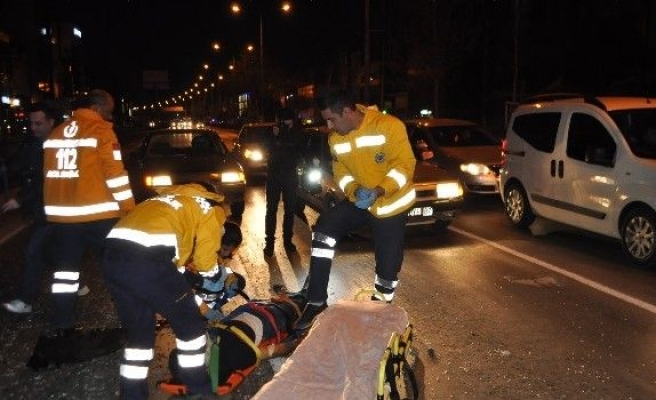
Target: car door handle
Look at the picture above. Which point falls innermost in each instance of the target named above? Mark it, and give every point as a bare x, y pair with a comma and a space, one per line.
553, 168
561, 168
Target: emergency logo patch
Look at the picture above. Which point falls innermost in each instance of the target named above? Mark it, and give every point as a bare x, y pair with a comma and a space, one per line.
379, 157
71, 130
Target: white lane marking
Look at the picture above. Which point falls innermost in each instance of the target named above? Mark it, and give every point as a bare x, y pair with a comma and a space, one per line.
596, 285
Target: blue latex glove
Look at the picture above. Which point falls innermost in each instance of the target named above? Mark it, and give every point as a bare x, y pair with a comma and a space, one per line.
366, 197
215, 285
361, 193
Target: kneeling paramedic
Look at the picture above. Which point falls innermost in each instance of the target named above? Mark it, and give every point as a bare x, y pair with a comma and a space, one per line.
143, 269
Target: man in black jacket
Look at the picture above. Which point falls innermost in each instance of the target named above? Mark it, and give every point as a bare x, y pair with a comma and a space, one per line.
282, 178
28, 165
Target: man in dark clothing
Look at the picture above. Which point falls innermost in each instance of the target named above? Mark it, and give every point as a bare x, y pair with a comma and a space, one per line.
28, 165
282, 178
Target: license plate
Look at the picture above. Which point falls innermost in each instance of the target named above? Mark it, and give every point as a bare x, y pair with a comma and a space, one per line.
421, 212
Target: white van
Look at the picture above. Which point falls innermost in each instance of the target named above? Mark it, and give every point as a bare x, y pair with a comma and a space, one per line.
585, 162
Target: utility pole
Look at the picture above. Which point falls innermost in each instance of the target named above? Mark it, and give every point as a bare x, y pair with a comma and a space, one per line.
367, 56
262, 85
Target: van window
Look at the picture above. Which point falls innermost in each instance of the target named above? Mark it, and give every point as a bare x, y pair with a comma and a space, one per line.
539, 130
589, 141
639, 129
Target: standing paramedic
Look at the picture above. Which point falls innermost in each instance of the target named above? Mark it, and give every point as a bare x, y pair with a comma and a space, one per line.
144, 270
373, 164
86, 189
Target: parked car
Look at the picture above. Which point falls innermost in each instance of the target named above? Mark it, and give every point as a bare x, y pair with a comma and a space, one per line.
464, 148
439, 194
176, 156
252, 147
585, 162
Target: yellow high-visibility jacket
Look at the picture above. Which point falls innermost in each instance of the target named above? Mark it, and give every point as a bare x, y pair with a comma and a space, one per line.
378, 153
84, 176
179, 217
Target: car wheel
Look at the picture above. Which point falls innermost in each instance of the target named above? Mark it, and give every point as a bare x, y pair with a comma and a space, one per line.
638, 233
518, 209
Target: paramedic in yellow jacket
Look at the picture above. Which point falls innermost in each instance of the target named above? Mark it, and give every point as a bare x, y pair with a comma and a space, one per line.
86, 189
374, 165
144, 270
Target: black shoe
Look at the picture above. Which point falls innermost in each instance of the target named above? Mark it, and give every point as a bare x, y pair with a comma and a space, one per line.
310, 313
268, 250
290, 247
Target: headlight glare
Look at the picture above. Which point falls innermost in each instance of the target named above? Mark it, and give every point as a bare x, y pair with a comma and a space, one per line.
254, 154
158, 180
475, 169
314, 175
448, 190
232, 177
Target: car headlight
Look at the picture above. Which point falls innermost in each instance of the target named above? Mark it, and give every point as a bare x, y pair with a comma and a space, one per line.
314, 175
253, 155
232, 177
475, 169
158, 180
448, 190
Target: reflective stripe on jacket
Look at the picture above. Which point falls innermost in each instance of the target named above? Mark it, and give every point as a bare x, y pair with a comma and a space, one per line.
84, 176
378, 153
181, 219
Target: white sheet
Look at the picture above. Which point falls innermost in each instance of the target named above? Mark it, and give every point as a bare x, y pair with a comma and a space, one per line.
339, 359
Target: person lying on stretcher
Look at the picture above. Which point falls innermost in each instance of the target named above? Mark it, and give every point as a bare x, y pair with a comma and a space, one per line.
254, 331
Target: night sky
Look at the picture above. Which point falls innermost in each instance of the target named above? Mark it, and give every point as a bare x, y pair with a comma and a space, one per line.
122, 38
480, 56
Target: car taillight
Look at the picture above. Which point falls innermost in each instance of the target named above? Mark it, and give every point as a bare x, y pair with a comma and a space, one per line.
504, 145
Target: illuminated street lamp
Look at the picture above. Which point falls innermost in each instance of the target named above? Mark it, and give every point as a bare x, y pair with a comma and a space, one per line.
285, 7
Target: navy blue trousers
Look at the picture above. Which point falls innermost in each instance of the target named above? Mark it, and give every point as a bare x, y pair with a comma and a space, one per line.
344, 218
144, 282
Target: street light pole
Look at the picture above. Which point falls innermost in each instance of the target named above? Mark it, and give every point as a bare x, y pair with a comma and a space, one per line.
367, 42
261, 56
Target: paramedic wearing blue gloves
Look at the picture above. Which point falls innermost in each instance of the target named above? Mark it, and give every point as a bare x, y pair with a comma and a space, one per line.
144, 268
374, 165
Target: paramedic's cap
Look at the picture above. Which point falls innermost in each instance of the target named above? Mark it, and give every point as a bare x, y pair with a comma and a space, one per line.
285, 114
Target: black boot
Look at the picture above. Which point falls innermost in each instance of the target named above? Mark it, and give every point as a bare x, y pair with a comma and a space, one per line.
310, 313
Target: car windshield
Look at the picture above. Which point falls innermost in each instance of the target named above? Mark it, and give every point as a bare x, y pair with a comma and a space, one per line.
256, 134
639, 130
461, 136
184, 144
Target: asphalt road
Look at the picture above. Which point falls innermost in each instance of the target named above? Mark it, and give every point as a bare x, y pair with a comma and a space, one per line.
498, 313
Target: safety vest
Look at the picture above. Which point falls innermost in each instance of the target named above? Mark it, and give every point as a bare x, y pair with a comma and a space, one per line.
180, 217
378, 153
84, 176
